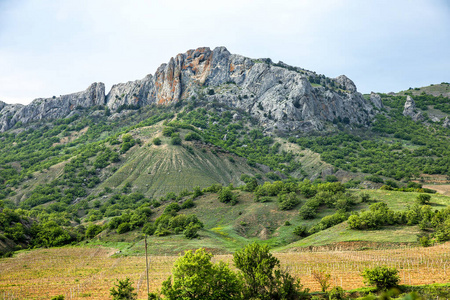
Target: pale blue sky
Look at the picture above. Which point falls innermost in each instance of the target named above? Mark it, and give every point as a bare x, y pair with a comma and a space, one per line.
50, 47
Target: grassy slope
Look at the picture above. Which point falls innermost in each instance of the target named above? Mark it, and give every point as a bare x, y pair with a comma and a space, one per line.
228, 228
391, 234
157, 170
435, 90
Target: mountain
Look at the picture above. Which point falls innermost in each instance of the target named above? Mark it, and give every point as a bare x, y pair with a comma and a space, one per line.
279, 96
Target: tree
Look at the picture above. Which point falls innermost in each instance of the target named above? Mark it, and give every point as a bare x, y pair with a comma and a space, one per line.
423, 199
191, 230
262, 280
157, 141
123, 290
323, 279
382, 277
196, 277
227, 196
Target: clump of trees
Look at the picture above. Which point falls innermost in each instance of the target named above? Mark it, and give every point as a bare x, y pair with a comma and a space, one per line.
380, 215
258, 277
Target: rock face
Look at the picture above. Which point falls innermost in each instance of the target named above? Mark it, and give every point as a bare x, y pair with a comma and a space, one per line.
346, 83
376, 100
446, 123
51, 108
411, 111
278, 95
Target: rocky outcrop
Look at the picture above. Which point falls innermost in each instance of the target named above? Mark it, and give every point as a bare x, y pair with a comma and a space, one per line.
278, 95
51, 108
411, 111
137, 93
446, 122
376, 100
348, 84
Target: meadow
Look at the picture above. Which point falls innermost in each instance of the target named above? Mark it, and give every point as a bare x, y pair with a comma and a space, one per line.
89, 272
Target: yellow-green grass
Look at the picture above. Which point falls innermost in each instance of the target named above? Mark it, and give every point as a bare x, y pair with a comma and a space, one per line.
402, 200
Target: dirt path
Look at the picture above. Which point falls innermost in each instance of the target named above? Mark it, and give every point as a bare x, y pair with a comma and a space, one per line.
443, 189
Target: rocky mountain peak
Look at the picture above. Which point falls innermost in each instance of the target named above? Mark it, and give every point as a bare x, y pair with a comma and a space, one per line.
278, 95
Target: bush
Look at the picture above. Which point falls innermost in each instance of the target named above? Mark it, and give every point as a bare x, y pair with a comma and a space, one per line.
382, 277
337, 293
307, 212
191, 230
301, 231
157, 141
176, 140
123, 289
287, 201
261, 278
187, 204
124, 227
423, 199
227, 196
196, 277
191, 136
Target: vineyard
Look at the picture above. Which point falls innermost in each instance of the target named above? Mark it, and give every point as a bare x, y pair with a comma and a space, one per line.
81, 272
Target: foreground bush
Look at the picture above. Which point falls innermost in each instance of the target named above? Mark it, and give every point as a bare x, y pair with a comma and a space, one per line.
196, 277
382, 277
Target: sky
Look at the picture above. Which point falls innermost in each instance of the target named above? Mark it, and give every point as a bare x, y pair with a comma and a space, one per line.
50, 47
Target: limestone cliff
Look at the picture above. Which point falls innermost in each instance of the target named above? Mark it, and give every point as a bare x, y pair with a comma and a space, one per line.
51, 108
278, 95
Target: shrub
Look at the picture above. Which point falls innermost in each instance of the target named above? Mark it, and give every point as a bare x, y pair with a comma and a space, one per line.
196, 277
261, 278
124, 227
227, 196
301, 231
336, 293
157, 141
176, 140
287, 201
123, 289
423, 199
307, 212
382, 277
192, 136
187, 204
172, 209
168, 131
191, 230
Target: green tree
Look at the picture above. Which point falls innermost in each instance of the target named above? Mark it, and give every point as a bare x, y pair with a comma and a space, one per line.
423, 199
262, 278
191, 230
123, 290
196, 277
157, 141
382, 277
227, 196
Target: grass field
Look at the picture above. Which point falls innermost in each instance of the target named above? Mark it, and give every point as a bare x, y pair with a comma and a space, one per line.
89, 272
